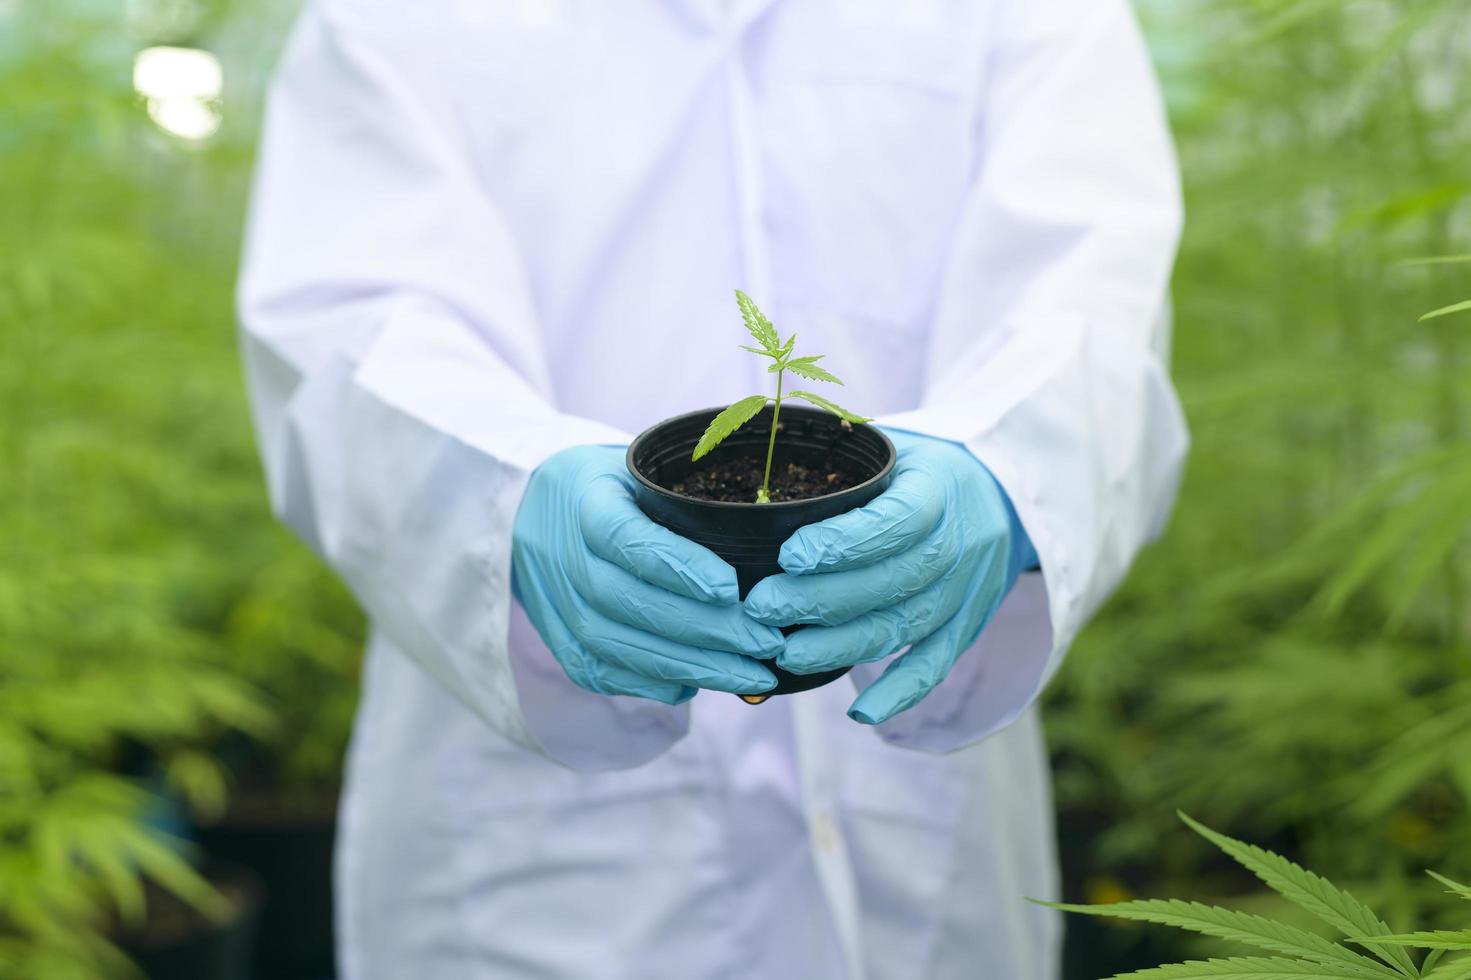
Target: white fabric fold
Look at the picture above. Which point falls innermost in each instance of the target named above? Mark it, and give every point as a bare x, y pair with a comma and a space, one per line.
400, 396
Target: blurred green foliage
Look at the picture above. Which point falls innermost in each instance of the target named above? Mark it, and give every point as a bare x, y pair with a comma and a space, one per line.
1292, 663
149, 607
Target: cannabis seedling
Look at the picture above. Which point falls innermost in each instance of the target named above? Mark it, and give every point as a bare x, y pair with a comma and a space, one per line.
782, 361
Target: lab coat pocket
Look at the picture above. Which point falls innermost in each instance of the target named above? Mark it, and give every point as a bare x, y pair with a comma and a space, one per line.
867, 157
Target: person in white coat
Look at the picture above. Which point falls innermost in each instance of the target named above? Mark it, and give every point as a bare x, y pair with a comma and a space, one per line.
487, 233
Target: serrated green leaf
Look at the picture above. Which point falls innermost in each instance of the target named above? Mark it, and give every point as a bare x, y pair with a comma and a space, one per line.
1429, 962
1439, 939
786, 349
1241, 927
1322, 898
823, 403
1447, 310
1459, 970
1240, 968
758, 325
727, 422
757, 350
806, 367
1455, 887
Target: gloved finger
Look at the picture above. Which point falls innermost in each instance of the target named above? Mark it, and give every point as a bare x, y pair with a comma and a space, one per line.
873, 636
624, 597
908, 679
894, 521
617, 531
586, 671
612, 679
832, 597
918, 672
656, 657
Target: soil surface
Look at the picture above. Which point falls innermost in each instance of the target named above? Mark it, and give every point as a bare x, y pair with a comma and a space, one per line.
737, 480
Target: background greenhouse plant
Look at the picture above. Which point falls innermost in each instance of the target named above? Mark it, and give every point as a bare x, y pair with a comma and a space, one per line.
148, 606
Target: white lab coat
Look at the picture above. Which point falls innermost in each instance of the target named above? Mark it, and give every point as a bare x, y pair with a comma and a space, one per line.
486, 230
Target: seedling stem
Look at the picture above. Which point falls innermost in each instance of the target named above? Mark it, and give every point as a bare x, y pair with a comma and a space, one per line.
741, 412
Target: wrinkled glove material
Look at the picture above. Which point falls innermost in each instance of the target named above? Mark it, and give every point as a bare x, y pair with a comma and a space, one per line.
925, 565
626, 606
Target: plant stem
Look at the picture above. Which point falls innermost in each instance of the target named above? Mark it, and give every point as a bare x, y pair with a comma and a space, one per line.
763, 496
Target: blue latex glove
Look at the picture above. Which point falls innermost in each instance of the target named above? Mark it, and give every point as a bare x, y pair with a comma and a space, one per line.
926, 563
626, 606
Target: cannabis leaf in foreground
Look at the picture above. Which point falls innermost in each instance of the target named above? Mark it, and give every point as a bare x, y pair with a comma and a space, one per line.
1443, 939
1452, 887
1308, 955
741, 412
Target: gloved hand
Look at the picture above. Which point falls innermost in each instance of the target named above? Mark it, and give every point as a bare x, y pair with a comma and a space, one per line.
626, 606
926, 563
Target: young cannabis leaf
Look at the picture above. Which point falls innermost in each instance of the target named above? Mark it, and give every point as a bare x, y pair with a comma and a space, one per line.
1300, 954
782, 361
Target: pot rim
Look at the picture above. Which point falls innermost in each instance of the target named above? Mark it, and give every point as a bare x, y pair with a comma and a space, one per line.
638, 475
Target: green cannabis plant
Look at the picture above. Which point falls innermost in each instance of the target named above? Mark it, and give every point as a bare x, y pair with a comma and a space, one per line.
782, 361
1297, 952
149, 608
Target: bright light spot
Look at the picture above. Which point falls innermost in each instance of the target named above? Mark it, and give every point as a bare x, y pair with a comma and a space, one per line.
189, 118
176, 73
181, 85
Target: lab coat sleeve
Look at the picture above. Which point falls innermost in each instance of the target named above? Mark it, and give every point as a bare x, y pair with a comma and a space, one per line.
398, 381
1050, 340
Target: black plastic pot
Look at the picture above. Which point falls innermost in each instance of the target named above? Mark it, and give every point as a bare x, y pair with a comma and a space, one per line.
177, 943
749, 535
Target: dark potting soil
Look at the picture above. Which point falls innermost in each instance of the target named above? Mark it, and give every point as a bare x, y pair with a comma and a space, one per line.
737, 480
